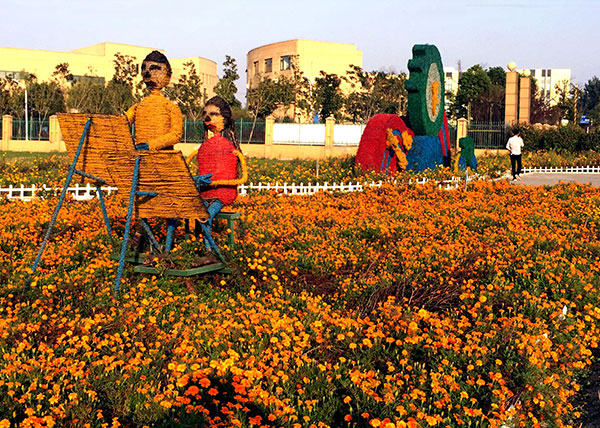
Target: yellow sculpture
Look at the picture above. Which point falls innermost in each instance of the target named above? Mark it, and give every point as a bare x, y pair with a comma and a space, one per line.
158, 122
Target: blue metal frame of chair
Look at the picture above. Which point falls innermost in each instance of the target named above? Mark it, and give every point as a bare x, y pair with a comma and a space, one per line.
72, 171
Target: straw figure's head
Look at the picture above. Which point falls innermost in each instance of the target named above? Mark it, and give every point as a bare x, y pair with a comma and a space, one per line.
156, 70
218, 119
213, 119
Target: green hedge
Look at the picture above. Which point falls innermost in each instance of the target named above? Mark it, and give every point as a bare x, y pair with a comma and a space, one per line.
568, 138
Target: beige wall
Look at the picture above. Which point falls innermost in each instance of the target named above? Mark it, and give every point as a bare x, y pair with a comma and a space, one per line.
97, 60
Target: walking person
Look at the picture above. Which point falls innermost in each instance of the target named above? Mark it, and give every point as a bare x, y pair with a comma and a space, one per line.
514, 146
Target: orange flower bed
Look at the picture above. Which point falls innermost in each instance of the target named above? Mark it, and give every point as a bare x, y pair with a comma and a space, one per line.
399, 306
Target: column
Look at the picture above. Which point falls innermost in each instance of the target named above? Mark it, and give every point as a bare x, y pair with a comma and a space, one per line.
461, 130
329, 125
269, 122
511, 100
54, 131
525, 99
6, 131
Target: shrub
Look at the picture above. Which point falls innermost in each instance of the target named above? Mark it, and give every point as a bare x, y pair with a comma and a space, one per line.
564, 138
591, 141
532, 138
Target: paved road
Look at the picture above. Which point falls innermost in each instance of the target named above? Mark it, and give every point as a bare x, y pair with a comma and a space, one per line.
546, 178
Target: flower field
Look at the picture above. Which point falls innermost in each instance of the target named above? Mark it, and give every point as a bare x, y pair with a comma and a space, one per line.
399, 306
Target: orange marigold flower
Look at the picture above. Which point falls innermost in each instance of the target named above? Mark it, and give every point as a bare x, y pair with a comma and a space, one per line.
192, 390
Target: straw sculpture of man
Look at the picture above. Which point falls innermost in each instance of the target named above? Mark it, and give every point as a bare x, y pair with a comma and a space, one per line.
221, 165
158, 121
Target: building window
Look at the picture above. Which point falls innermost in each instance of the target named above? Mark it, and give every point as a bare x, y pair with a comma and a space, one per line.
268, 65
285, 63
544, 73
549, 73
448, 86
13, 75
255, 67
96, 79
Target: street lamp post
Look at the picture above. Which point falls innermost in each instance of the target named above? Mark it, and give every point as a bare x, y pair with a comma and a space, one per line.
26, 118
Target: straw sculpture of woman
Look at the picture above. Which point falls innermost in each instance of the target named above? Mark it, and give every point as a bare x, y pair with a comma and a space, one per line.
221, 164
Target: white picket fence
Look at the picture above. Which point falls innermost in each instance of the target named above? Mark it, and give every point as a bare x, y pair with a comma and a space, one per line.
82, 193
77, 192
88, 191
310, 188
566, 169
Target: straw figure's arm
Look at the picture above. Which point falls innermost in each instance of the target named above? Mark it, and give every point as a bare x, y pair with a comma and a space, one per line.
243, 176
130, 114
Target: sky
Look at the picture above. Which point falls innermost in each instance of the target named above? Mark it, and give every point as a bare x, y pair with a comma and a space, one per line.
532, 33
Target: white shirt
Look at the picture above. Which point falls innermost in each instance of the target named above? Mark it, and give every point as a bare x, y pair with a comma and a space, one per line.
515, 144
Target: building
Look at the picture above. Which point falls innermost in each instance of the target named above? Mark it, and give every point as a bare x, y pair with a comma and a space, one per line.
451, 76
309, 56
551, 81
96, 62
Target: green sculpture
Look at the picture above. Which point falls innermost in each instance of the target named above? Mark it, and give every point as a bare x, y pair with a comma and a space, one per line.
425, 88
467, 153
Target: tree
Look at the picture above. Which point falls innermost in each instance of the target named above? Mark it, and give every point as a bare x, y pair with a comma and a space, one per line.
226, 88
287, 89
126, 70
374, 92
302, 88
480, 94
591, 99
328, 96
62, 75
119, 93
497, 76
117, 98
264, 99
44, 99
188, 93
541, 110
8, 105
566, 99
86, 96
471, 85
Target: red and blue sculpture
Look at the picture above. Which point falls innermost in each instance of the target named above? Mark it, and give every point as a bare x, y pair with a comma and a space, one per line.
423, 138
